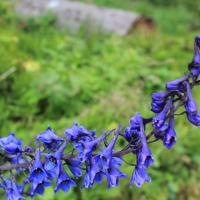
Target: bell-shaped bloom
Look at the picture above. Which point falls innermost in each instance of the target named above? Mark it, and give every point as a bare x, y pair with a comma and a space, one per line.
72, 133
159, 120
37, 171
177, 84
39, 187
169, 138
86, 148
194, 119
194, 66
190, 105
157, 107
75, 167
86, 181
54, 160
49, 139
113, 175
105, 156
64, 182
161, 96
11, 144
139, 176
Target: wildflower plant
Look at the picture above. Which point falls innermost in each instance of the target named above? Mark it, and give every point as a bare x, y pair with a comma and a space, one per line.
94, 157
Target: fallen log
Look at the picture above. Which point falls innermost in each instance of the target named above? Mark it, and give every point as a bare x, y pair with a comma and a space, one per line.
73, 14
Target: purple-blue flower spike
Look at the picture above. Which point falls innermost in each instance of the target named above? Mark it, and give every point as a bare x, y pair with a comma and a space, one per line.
159, 120
54, 160
169, 138
145, 157
11, 144
190, 105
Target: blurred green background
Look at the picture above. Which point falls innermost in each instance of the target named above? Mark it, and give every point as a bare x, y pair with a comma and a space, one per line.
100, 80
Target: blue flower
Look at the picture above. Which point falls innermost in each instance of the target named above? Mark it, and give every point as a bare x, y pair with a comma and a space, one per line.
37, 171
139, 176
161, 131
135, 121
11, 144
105, 156
113, 175
75, 167
161, 96
18, 160
177, 84
86, 148
39, 186
190, 105
169, 138
194, 119
75, 133
64, 182
49, 139
53, 160
132, 135
159, 120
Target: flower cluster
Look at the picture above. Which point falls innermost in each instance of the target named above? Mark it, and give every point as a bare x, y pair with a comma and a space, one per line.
81, 152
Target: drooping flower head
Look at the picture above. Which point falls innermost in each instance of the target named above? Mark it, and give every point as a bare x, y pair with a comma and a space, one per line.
11, 144
194, 119
64, 182
139, 176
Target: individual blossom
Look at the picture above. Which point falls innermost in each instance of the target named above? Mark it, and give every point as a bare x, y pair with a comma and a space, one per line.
194, 119
11, 144
49, 139
139, 176
105, 156
190, 105
54, 160
75, 133
194, 66
169, 138
113, 175
39, 186
64, 182
161, 96
86, 148
157, 106
159, 120
37, 171
177, 84
135, 121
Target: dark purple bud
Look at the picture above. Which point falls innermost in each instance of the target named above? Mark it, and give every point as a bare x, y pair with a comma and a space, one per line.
169, 138
135, 120
194, 119
160, 132
190, 105
157, 107
194, 66
161, 96
159, 120
177, 84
